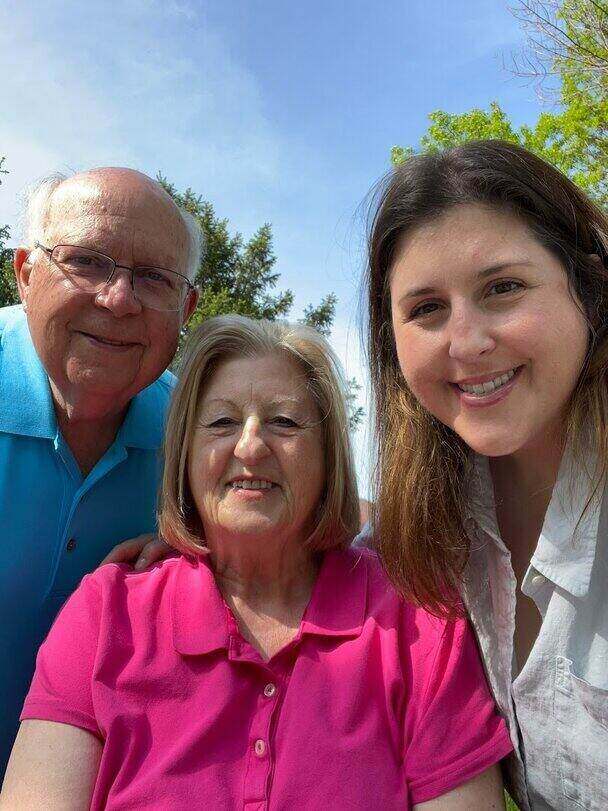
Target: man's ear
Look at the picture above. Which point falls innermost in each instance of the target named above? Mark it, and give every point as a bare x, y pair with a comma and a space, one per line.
23, 267
190, 305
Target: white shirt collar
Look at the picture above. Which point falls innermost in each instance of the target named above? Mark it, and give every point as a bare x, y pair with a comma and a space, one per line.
566, 547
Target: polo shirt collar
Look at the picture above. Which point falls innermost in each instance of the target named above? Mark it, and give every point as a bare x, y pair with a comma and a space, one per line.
566, 547
565, 552
198, 611
339, 597
200, 616
144, 423
26, 404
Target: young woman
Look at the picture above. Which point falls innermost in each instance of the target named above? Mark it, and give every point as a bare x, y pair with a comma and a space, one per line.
488, 315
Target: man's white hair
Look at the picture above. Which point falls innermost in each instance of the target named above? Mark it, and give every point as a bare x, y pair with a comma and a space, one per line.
36, 209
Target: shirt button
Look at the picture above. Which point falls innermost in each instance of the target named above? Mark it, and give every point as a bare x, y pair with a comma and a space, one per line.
270, 690
259, 747
537, 581
71, 545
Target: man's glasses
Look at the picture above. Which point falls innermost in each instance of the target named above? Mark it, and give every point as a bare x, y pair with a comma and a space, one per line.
157, 288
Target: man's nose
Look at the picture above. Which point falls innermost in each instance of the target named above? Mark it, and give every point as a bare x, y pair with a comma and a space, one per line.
470, 335
118, 296
251, 446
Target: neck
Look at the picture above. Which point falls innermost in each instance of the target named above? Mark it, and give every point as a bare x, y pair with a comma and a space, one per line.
530, 471
523, 484
87, 427
268, 570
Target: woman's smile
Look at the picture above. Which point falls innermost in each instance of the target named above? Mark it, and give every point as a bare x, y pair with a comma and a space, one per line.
483, 316
487, 390
258, 429
250, 489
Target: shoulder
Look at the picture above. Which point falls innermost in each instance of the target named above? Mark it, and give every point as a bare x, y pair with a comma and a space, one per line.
10, 316
158, 394
387, 607
165, 384
116, 588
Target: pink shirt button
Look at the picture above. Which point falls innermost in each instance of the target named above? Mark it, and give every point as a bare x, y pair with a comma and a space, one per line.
259, 747
270, 690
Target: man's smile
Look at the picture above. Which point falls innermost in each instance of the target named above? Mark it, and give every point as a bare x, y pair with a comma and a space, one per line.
110, 343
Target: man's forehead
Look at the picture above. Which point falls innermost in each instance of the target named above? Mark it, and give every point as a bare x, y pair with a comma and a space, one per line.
98, 193
89, 213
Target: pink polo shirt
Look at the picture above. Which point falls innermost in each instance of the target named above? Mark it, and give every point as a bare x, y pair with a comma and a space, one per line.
374, 704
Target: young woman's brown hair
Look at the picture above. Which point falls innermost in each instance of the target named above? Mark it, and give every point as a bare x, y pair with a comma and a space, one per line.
423, 466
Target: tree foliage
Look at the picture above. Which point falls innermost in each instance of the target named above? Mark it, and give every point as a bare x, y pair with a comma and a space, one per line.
8, 288
238, 276
567, 38
574, 137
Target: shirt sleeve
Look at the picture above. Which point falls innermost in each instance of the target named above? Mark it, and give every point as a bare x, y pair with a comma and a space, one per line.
61, 689
453, 731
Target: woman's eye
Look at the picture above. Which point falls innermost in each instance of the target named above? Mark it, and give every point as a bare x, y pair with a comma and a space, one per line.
284, 422
507, 286
222, 422
428, 308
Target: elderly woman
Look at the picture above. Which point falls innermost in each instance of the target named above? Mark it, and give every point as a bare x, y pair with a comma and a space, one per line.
269, 666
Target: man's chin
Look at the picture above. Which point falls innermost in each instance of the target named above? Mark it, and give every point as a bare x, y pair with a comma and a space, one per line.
106, 382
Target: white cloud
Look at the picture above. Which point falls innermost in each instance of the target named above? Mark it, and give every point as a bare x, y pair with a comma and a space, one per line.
111, 86
147, 84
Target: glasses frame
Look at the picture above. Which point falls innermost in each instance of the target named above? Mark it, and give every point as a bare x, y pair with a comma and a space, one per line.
115, 265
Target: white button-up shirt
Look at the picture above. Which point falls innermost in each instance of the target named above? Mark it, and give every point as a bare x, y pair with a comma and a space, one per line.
557, 706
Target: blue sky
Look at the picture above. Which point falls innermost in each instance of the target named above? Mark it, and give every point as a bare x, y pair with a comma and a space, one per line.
275, 112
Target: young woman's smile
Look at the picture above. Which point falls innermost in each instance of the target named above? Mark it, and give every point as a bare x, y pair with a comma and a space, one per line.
489, 337
487, 390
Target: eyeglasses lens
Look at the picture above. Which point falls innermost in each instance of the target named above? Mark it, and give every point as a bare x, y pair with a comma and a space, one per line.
156, 288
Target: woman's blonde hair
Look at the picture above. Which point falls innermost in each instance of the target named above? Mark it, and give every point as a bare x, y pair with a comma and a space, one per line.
423, 472
232, 336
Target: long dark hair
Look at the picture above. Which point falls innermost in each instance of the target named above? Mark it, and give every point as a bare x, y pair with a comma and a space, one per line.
423, 466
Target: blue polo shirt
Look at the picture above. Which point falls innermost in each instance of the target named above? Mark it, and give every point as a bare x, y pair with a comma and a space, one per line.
55, 524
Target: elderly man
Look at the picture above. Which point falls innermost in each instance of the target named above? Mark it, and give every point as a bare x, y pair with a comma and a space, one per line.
105, 285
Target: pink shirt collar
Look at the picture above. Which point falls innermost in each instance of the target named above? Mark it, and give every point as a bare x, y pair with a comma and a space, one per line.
199, 614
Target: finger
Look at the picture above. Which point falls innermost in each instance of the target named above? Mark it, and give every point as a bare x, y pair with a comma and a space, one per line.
126, 551
152, 552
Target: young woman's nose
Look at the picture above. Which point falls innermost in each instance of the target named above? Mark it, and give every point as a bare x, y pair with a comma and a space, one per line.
469, 334
251, 445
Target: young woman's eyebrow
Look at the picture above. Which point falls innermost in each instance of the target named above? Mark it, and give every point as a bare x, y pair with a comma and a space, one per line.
415, 292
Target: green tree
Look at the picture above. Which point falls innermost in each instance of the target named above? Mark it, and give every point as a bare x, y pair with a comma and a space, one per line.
574, 137
240, 277
8, 288
565, 38
236, 276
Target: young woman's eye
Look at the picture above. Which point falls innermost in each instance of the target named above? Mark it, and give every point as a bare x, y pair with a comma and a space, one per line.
506, 286
427, 308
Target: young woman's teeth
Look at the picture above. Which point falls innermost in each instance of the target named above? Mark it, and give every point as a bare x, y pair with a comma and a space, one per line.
481, 389
255, 484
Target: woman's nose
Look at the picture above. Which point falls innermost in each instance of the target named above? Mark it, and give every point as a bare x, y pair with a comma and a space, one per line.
470, 335
251, 445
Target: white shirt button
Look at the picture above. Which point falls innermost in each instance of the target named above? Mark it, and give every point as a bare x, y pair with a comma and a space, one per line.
259, 747
270, 690
537, 581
